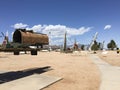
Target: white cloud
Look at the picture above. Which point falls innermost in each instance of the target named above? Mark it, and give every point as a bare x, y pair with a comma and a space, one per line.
107, 27
19, 25
59, 30
36, 28
79, 31
56, 32
57, 41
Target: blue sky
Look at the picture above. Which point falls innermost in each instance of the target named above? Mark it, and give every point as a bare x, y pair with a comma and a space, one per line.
80, 18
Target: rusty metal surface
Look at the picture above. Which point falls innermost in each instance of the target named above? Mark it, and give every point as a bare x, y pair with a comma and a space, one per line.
29, 37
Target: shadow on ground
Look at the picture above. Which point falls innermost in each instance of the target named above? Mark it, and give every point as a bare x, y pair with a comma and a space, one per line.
9, 76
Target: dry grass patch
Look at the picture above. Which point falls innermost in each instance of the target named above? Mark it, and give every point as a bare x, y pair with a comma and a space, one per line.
111, 57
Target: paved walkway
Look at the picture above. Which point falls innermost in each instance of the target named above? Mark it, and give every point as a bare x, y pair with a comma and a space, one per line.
110, 74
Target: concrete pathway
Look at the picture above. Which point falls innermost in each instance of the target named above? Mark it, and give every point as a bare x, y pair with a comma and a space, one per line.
33, 82
110, 74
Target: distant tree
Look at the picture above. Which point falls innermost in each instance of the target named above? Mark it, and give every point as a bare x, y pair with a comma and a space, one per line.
111, 45
95, 46
82, 47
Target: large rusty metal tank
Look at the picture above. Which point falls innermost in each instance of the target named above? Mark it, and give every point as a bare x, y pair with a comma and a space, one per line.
24, 36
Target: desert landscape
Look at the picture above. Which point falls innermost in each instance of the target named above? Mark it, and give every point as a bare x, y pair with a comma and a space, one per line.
110, 57
77, 70
59, 45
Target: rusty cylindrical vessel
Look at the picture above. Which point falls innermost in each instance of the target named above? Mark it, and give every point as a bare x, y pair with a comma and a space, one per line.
24, 36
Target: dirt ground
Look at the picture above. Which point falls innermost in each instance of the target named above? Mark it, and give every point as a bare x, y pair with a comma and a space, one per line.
110, 57
77, 70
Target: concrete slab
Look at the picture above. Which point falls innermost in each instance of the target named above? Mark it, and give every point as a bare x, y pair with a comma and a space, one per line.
2, 72
33, 82
110, 74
